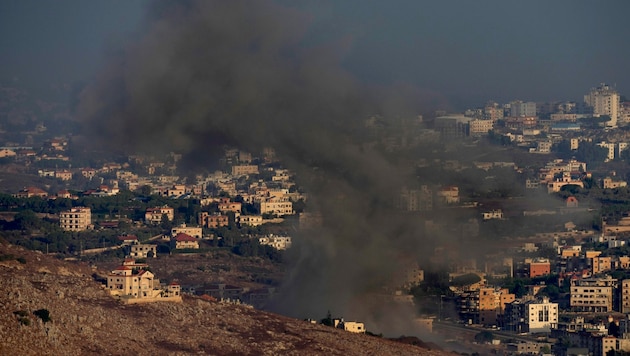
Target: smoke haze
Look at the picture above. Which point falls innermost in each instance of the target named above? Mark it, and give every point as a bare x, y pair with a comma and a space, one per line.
250, 74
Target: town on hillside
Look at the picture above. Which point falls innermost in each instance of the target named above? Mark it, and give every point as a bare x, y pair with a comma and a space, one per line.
521, 214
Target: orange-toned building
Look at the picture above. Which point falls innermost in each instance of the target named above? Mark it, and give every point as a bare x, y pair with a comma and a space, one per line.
541, 267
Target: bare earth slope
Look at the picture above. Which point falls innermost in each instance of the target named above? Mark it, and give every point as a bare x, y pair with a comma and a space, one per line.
85, 320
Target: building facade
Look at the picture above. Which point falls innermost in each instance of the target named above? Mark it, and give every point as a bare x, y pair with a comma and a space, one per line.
76, 219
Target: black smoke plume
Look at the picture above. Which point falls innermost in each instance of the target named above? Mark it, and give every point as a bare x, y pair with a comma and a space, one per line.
252, 73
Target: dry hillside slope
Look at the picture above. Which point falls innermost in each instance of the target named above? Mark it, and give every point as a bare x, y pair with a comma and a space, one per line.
85, 320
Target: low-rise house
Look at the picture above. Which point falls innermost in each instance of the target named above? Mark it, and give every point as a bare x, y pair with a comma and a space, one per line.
134, 284
184, 241
449, 195
88, 173
351, 326
142, 251
193, 231
30, 192
228, 206
608, 183
212, 220
64, 194
128, 239
63, 175
277, 242
154, 215
250, 220
493, 214
566, 179
5, 152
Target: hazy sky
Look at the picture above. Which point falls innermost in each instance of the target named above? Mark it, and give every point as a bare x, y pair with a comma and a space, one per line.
465, 51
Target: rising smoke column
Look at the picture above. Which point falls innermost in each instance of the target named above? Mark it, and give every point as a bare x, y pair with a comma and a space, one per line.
205, 73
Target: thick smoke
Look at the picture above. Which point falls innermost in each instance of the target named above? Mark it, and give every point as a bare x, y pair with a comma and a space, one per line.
251, 73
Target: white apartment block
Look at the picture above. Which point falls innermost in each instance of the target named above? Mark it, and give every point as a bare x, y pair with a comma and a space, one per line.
532, 316
522, 109
604, 101
611, 150
76, 219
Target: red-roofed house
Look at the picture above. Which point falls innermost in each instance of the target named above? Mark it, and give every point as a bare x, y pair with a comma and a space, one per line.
31, 192
128, 239
185, 241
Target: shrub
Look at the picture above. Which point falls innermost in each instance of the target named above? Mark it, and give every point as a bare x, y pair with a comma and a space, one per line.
22, 260
43, 314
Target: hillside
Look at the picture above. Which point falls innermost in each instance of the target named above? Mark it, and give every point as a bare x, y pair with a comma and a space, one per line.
85, 320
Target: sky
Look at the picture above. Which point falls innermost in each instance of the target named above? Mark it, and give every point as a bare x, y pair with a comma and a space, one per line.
466, 52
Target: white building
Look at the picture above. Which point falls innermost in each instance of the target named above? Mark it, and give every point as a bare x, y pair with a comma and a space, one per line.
611, 150
277, 242
532, 316
493, 214
604, 101
522, 109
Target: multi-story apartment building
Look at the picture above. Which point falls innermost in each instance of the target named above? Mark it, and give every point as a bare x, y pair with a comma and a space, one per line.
480, 127
604, 101
241, 170
492, 303
531, 316
76, 219
449, 194
415, 199
521, 109
225, 205
593, 294
212, 220
279, 208
625, 296
492, 111
601, 264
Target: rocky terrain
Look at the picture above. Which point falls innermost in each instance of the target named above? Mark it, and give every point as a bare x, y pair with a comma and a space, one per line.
53, 307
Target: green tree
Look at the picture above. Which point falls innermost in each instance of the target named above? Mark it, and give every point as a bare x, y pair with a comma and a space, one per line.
484, 337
